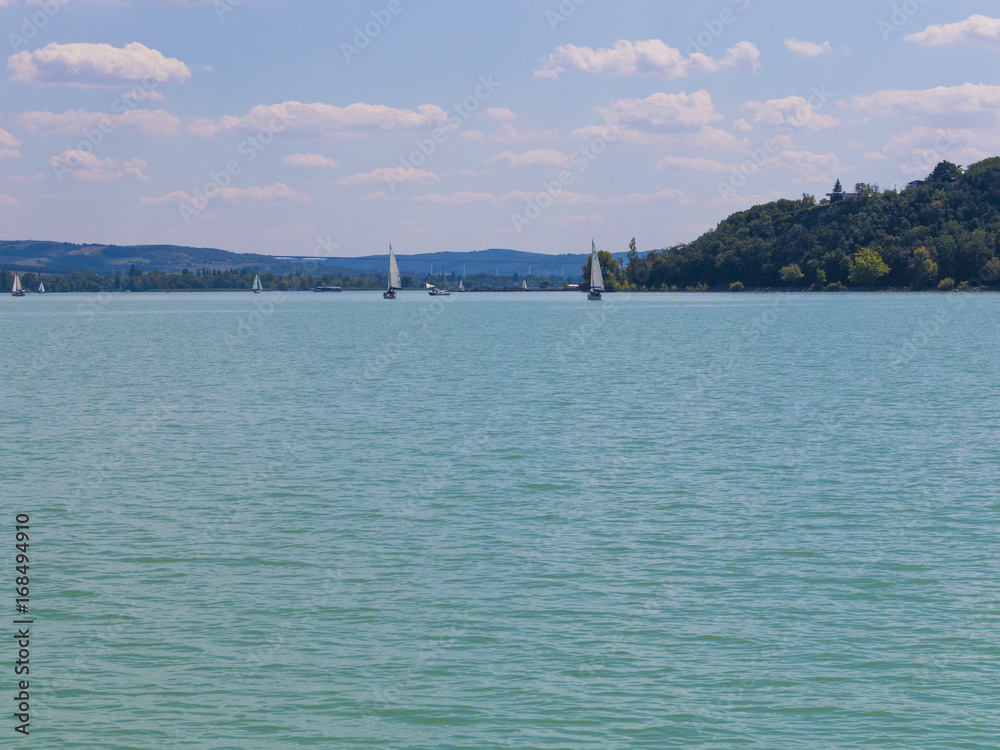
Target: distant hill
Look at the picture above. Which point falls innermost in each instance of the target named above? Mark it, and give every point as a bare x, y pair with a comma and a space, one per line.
945, 228
63, 257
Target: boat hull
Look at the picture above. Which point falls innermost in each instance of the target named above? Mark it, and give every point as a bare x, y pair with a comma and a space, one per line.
595, 296
389, 295
18, 294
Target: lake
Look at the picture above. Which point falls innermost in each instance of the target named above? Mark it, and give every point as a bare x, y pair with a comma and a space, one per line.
507, 520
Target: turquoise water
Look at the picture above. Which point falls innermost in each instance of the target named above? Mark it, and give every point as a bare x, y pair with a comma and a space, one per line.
507, 521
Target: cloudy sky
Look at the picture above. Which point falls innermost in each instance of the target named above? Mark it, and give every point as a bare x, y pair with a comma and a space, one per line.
330, 128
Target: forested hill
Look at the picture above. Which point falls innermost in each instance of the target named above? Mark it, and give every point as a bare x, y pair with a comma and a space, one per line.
954, 215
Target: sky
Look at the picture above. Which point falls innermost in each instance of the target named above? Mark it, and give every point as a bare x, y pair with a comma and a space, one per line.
293, 127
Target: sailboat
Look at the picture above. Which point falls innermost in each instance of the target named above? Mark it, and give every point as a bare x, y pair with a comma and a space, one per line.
461, 285
256, 288
394, 282
524, 286
17, 290
41, 288
435, 292
596, 277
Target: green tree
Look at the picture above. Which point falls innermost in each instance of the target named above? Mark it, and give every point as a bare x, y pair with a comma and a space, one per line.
867, 267
923, 268
791, 275
614, 276
945, 172
991, 271
838, 193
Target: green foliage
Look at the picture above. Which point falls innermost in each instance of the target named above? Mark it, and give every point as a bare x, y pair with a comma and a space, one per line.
737, 286
923, 268
614, 276
946, 285
838, 193
958, 223
835, 287
945, 172
867, 268
991, 271
791, 274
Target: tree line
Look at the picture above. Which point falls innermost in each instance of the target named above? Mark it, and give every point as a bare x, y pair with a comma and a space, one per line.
942, 232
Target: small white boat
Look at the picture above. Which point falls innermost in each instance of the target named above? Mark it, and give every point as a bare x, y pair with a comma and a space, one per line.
41, 288
461, 285
524, 286
328, 289
596, 277
17, 290
256, 288
394, 281
435, 292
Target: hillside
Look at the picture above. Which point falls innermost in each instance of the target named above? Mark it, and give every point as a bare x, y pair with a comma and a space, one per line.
61, 257
954, 215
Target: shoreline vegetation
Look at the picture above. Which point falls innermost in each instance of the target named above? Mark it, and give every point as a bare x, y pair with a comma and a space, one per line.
937, 234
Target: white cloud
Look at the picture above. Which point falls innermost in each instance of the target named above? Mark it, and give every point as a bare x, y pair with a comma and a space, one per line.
922, 147
309, 160
463, 198
945, 101
81, 165
567, 198
9, 200
665, 112
792, 110
473, 135
279, 192
743, 125
392, 175
378, 195
978, 30
808, 49
651, 57
498, 113
149, 121
536, 158
326, 120
706, 138
8, 146
84, 65
701, 164
508, 133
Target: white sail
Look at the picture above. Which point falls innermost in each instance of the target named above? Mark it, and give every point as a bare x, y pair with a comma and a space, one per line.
596, 277
461, 285
394, 282
41, 288
524, 285
430, 286
17, 283
256, 284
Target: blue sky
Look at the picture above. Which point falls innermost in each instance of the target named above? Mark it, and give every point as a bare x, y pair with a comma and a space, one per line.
286, 127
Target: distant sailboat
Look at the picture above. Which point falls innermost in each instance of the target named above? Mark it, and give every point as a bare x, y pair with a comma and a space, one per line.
17, 290
256, 288
435, 292
461, 285
394, 281
41, 288
524, 285
596, 277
